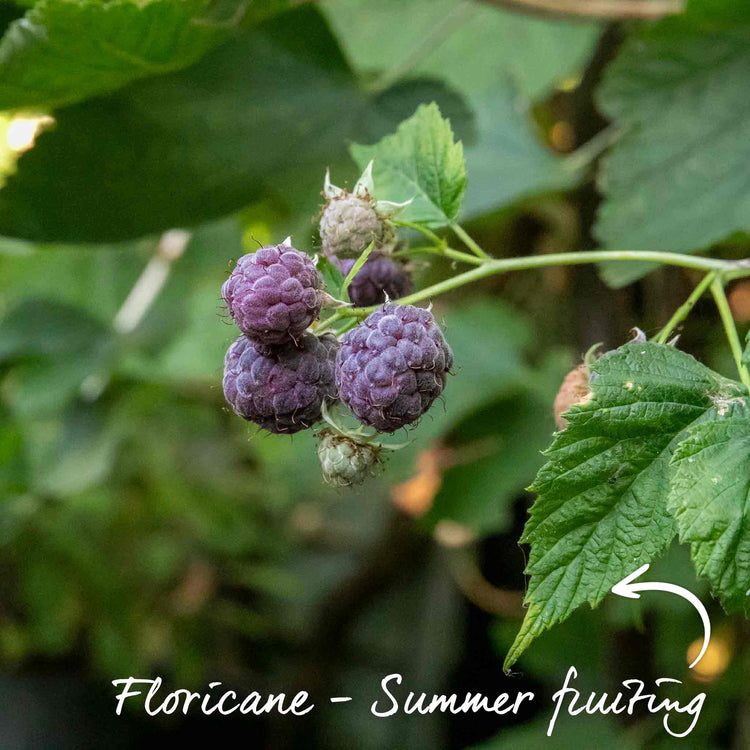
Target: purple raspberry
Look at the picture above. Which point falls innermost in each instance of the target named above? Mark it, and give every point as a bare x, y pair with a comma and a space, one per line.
281, 390
392, 366
274, 294
378, 277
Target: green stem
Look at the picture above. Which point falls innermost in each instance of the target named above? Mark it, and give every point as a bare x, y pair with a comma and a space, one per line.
683, 311
346, 327
717, 289
446, 252
506, 265
437, 241
469, 242
326, 324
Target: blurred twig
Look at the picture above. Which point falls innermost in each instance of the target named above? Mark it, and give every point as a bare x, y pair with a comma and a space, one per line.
603, 9
478, 590
171, 246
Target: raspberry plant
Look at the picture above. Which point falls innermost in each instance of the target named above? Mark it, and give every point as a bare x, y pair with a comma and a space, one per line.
651, 443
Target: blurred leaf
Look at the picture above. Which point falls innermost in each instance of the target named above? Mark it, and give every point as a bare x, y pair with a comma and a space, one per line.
83, 277
601, 508
499, 450
82, 456
46, 61
498, 60
710, 499
675, 180
55, 349
719, 12
486, 367
51, 602
570, 733
259, 116
420, 162
12, 464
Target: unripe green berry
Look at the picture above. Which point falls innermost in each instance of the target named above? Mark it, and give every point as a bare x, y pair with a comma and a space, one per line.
344, 461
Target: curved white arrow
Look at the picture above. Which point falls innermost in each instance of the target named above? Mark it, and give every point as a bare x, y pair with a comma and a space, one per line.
627, 588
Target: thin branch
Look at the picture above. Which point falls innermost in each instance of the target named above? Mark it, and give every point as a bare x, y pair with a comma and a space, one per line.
684, 309
506, 265
466, 238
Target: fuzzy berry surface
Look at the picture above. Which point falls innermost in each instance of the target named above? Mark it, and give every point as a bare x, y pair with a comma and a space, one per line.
283, 389
392, 366
273, 294
378, 277
348, 225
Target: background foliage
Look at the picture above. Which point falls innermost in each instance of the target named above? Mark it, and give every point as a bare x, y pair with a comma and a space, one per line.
143, 529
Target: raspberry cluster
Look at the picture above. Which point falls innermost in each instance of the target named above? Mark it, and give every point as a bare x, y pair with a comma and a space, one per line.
276, 374
388, 370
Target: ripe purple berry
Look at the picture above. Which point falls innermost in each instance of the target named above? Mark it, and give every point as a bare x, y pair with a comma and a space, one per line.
281, 390
274, 294
392, 367
378, 277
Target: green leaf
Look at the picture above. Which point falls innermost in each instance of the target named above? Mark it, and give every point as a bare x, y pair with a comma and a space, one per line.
676, 180
258, 118
601, 509
63, 51
332, 277
422, 163
189, 146
710, 499
354, 270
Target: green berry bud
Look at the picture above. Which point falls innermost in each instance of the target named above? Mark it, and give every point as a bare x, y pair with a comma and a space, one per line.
345, 461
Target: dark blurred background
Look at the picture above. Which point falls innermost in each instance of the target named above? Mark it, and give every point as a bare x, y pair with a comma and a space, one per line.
145, 530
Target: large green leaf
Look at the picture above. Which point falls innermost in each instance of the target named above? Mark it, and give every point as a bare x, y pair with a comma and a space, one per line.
62, 51
677, 179
420, 163
710, 498
601, 509
191, 145
259, 117
498, 60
